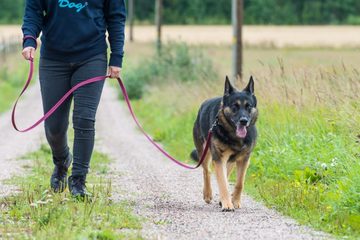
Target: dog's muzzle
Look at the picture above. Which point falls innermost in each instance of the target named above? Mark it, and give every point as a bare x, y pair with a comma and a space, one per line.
241, 130
243, 121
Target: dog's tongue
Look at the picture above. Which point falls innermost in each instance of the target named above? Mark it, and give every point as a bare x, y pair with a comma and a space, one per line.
241, 131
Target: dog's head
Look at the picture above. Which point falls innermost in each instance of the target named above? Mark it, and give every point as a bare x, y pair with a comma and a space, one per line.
239, 107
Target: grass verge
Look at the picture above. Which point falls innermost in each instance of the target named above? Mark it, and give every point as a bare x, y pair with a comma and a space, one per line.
37, 213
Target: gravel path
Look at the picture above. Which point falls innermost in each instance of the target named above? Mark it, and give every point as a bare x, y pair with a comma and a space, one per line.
170, 197
13, 144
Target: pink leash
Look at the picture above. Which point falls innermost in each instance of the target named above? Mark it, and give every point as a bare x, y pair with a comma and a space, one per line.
126, 97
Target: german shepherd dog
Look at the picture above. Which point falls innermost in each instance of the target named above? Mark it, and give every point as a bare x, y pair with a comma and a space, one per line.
233, 138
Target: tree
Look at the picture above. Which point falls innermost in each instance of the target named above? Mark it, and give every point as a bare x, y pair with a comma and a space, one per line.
11, 11
219, 11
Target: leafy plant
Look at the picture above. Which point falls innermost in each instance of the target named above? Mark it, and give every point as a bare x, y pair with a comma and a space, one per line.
176, 62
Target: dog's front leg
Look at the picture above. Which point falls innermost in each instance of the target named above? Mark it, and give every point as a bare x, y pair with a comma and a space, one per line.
242, 165
207, 192
229, 167
221, 176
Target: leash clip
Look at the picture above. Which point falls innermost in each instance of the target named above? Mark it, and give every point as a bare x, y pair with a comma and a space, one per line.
216, 122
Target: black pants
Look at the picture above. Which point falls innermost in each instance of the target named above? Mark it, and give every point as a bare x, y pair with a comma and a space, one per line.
56, 78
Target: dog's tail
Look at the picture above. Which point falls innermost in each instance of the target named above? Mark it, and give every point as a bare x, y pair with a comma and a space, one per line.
194, 155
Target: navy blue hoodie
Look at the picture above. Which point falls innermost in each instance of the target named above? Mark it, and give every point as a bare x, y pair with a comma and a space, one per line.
75, 30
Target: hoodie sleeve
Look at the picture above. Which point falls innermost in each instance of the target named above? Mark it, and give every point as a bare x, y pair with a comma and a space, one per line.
115, 15
33, 22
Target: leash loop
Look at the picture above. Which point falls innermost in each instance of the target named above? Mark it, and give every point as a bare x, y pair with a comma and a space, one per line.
127, 100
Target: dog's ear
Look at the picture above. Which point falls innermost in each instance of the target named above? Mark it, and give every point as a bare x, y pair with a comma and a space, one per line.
250, 87
229, 89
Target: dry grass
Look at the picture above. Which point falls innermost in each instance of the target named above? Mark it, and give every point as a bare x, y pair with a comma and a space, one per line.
293, 76
9, 31
297, 77
280, 36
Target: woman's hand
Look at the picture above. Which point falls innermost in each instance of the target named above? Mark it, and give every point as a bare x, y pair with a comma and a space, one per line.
28, 53
114, 72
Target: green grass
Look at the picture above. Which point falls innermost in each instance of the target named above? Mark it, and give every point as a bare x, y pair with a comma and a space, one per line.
13, 74
306, 162
37, 213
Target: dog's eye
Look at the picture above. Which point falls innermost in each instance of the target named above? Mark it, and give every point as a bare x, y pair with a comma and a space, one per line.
248, 106
234, 108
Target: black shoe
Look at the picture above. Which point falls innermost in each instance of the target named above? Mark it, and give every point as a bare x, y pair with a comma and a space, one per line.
58, 180
78, 189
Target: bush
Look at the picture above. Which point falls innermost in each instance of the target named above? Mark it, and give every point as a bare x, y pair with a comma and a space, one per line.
176, 62
353, 20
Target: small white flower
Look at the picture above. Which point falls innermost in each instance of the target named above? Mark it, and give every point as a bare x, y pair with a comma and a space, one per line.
334, 162
40, 202
33, 205
324, 166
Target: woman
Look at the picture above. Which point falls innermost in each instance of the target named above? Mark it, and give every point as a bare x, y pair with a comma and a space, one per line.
73, 49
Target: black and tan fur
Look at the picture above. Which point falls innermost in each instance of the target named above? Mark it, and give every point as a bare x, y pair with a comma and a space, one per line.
234, 112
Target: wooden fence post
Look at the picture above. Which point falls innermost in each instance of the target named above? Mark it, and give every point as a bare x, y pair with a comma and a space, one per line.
158, 22
237, 22
131, 20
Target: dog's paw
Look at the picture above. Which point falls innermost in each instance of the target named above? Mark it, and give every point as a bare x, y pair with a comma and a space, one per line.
227, 206
208, 200
236, 203
208, 196
229, 209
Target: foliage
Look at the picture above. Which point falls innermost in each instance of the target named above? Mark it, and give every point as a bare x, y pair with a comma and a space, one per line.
11, 11
36, 212
256, 11
219, 11
176, 62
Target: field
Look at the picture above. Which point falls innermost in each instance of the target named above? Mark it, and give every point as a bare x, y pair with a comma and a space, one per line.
306, 162
8, 31
280, 36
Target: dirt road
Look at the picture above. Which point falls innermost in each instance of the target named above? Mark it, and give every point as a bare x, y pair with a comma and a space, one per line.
171, 197
334, 36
